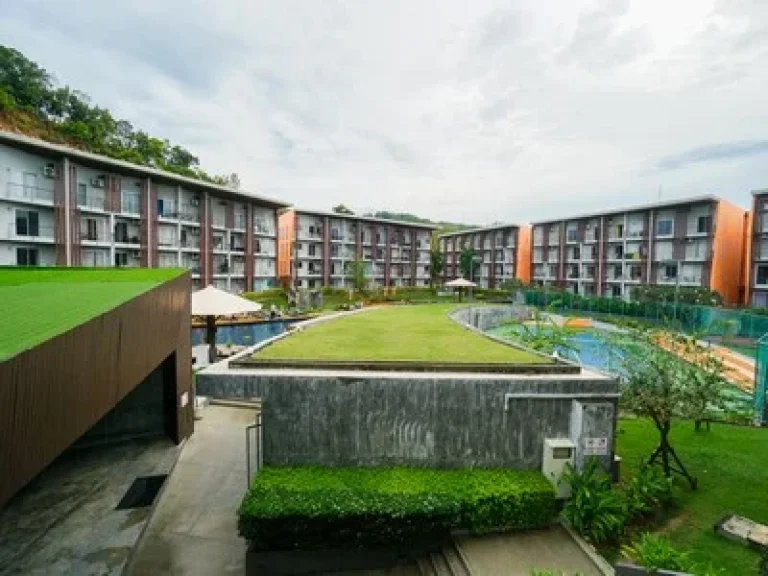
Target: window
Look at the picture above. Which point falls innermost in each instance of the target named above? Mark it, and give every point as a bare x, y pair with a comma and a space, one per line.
121, 259
573, 234
704, 224
312, 250
762, 275
616, 291
27, 257
670, 271
576, 253
82, 193
298, 246
90, 233
299, 264
664, 227
27, 223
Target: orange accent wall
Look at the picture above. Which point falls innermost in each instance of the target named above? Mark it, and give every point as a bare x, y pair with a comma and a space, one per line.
523, 265
726, 276
746, 265
286, 229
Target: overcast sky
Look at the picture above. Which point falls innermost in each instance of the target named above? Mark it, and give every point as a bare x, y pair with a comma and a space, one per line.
474, 111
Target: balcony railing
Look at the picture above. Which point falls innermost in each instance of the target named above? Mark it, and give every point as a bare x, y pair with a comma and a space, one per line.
219, 221
100, 234
240, 221
94, 201
129, 205
42, 233
16, 191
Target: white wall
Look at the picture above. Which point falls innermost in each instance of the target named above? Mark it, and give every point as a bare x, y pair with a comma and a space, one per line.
14, 163
8, 219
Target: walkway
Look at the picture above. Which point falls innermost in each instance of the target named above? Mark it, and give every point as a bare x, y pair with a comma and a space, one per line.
518, 553
194, 528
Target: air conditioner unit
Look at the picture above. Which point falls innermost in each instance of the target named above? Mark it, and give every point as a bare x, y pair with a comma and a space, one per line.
558, 452
97, 182
49, 170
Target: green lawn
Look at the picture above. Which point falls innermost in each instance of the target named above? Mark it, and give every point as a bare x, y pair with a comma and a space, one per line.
731, 464
404, 333
38, 304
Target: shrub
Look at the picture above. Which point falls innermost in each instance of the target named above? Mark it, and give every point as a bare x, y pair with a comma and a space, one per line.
310, 507
762, 569
646, 491
595, 509
656, 553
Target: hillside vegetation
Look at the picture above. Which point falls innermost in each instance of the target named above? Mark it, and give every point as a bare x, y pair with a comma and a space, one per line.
32, 104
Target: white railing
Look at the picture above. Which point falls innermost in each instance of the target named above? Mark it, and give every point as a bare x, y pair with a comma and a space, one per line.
16, 191
95, 201
42, 233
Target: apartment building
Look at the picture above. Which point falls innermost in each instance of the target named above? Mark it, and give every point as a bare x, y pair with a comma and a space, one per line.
61, 206
756, 252
691, 242
501, 253
317, 247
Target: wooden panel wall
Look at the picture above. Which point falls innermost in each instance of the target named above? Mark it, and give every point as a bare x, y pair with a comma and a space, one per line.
50, 395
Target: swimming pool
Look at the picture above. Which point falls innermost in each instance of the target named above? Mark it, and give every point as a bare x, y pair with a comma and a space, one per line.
243, 334
592, 350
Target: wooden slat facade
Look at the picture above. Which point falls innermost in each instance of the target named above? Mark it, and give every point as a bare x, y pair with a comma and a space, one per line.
53, 393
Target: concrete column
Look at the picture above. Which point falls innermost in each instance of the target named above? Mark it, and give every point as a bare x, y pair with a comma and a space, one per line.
67, 215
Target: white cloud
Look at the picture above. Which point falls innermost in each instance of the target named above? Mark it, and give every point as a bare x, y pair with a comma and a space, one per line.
466, 111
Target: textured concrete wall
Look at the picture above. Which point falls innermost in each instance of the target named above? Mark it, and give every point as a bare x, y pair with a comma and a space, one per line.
487, 317
349, 419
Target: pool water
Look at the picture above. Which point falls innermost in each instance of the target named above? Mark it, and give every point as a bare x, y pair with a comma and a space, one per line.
243, 334
590, 349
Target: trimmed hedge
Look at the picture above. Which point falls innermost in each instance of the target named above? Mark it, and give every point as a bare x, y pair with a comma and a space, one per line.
312, 507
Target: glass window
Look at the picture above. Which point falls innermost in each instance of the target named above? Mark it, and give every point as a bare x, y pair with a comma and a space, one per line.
27, 223
762, 275
26, 256
704, 224
670, 271
572, 234
664, 227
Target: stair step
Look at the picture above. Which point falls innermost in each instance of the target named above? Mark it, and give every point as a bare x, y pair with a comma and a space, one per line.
440, 565
455, 561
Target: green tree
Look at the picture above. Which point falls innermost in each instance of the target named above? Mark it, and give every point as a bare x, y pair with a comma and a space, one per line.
342, 209
435, 266
468, 265
357, 273
658, 384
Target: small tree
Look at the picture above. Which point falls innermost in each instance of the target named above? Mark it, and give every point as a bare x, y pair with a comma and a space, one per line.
435, 266
658, 384
707, 380
357, 273
342, 209
467, 264
544, 334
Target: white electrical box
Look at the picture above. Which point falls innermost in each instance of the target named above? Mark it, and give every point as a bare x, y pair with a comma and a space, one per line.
557, 453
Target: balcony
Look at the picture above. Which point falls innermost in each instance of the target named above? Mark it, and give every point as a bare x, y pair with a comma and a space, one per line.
98, 234
130, 205
24, 193
190, 242
240, 222
90, 201
127, 237
167, 241
189, 214
219, 221
31, 234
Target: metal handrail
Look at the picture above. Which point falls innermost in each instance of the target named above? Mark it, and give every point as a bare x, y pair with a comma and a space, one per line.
253, 468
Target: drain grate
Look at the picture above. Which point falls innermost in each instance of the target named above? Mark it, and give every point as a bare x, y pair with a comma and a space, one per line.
142, 492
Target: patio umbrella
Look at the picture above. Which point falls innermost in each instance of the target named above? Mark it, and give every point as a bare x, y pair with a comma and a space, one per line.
211, 302
460, 283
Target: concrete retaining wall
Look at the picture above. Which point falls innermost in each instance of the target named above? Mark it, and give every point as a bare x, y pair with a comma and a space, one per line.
485, 317
359, 418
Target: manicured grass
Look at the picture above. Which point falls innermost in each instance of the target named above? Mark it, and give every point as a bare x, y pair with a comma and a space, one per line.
309, 507
38, 304
731, 464
403, 333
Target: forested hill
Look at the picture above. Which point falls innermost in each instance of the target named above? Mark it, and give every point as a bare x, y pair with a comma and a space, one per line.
443, 227
31, 103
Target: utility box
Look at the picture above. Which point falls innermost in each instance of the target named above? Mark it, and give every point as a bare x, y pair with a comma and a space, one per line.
557, 453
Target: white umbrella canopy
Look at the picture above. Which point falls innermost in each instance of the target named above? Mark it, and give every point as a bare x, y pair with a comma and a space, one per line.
211, 301
460, 283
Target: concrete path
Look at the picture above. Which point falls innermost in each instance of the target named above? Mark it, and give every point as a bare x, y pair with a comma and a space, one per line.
194, 528
516, 554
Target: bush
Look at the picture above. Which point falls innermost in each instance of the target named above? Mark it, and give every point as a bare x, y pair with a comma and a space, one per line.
311, 507
647, 491
762, 569
595, 509
656, 553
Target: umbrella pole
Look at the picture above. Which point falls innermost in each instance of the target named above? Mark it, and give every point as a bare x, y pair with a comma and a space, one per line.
210, 330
